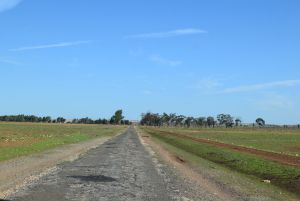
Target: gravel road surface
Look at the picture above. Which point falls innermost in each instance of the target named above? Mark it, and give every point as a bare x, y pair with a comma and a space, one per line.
120, 169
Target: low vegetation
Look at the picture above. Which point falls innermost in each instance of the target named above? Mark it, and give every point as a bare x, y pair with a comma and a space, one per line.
279, 140
284, 176
19, 139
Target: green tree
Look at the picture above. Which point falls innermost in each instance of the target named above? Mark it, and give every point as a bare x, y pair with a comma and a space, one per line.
60, 120
225, 119
118, 117
238, 121
260, 121
210, 121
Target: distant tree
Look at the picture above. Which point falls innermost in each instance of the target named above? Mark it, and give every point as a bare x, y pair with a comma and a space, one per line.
112, 120
201, 121
165, 118
104, 121
179, 120
85, 120
210, 121
172, 119
225, 119
188, 121
60, 120
126, 122
46, 119
116, 119
259, 121
238, 122
150, 119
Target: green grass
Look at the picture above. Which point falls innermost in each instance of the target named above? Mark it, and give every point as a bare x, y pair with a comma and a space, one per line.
277, 140
280, 175
240, 184
19, 139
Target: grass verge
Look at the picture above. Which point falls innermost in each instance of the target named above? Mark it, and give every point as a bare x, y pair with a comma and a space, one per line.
19, 139
282, 176
277, 140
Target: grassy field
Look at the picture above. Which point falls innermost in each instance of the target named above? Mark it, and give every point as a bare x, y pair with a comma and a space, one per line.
283, 176
19, 139
276, 140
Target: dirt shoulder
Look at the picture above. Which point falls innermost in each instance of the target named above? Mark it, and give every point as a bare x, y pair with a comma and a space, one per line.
17, 172
186, 172
203, 174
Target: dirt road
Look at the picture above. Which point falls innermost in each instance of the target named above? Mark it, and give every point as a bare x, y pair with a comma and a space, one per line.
120, 169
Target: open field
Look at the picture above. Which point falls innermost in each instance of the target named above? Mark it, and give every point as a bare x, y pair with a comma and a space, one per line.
284, 176
19, 139
278, 140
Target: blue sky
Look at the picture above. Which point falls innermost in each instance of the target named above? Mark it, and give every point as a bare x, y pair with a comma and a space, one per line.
89, 58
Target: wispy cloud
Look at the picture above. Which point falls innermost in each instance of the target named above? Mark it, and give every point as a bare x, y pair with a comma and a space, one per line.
257, 87
271, 102
172, 33
208, 83
8, 4
9, 61
163, 61
55, 45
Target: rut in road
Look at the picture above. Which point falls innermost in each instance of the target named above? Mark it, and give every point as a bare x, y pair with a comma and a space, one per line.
120, 169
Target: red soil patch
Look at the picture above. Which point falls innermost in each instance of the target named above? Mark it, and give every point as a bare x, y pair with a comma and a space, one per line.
10, 144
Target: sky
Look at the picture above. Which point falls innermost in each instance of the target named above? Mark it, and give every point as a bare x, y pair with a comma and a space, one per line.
193, 57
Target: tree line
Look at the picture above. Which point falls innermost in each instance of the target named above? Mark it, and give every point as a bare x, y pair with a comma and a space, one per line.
156, 119
117, 118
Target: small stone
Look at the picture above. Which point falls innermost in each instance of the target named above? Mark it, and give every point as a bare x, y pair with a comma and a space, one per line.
267, 181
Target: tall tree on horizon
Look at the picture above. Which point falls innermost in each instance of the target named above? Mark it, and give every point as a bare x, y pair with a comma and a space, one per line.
117, 117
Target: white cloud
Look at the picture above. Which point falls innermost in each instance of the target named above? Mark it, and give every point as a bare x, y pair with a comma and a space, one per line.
56, 45
257, 87
8, 4
163, 61
172, 33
